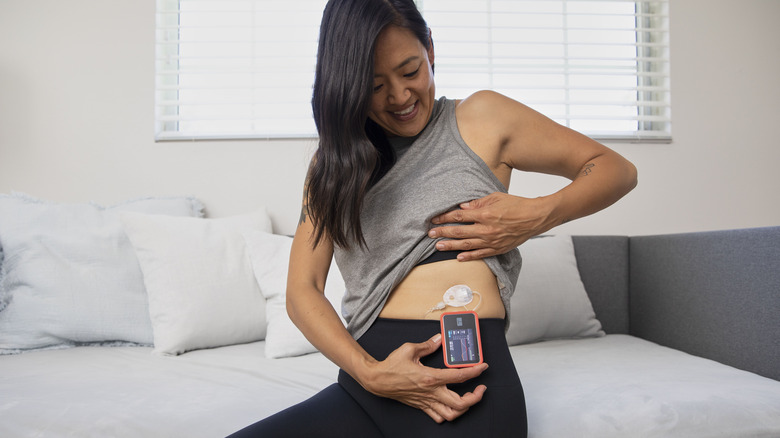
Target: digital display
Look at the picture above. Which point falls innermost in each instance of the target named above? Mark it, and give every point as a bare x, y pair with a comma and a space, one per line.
462, 346
461, 339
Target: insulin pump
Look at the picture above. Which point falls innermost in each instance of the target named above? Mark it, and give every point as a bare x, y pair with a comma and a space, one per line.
461, 340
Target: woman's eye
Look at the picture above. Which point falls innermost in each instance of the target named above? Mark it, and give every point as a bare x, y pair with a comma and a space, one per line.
412, 74
377, 88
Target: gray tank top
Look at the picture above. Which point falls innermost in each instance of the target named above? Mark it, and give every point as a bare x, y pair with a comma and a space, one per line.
435, 174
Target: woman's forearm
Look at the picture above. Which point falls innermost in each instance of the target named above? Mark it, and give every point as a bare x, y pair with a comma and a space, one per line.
600, 183
316, 318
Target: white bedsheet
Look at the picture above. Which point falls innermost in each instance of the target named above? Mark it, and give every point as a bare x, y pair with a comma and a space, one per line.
615, 386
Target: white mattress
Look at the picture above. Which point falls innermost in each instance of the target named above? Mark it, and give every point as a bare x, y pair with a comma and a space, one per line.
615, 386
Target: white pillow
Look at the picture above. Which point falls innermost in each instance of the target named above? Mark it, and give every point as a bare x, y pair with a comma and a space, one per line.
270, 254
202, 292
550, 301
70, 275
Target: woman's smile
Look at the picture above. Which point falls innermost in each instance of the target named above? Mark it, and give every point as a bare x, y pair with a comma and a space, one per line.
407, 114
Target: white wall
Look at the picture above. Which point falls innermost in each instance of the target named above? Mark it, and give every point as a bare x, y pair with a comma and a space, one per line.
77, 105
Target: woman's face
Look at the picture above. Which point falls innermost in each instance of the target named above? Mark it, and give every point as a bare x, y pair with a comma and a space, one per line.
404, 91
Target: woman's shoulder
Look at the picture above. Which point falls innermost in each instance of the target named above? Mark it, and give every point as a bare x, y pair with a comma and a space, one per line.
487, 109
490, 107
487, 101
493, 110
484, 96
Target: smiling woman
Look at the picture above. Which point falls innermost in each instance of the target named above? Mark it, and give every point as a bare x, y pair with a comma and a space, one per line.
374, 83
398, 177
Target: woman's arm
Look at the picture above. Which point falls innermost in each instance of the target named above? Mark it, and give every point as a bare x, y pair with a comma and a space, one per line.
509, 135
401, 376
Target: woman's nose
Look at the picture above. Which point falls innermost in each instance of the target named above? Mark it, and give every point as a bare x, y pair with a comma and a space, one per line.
398, 94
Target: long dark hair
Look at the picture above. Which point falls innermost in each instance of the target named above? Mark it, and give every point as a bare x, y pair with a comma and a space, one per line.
353, 151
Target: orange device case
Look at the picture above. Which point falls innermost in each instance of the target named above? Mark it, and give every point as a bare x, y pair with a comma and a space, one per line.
444, 338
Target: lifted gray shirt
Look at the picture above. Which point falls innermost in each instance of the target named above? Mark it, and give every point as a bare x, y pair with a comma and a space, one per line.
435, 174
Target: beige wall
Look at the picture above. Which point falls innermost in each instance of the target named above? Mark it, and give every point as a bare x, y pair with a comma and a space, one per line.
77, 105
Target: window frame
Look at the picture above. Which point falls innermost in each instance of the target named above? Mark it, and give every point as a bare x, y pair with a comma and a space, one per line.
652, 75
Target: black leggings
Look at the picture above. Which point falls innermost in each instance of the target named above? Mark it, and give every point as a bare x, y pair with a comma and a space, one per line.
345, 409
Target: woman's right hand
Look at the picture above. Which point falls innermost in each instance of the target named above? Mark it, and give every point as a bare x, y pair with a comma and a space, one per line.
402, 377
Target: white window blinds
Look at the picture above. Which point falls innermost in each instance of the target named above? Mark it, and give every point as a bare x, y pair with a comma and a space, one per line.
236, 69
244, 69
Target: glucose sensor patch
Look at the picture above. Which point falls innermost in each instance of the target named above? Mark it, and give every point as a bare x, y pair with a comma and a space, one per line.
459, 295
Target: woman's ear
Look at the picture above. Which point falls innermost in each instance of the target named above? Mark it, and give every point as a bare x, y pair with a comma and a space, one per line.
430, 48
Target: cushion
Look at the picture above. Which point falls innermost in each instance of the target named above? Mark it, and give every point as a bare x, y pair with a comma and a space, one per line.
550, 301
69, 275
202, 292
270, 255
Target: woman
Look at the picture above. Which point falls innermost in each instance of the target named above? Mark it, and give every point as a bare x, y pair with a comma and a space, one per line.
394, 164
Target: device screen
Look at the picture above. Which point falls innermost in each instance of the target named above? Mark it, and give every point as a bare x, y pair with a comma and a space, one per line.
460, 339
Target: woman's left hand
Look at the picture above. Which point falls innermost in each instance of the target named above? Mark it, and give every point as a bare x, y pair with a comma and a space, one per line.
509, 135
494, 224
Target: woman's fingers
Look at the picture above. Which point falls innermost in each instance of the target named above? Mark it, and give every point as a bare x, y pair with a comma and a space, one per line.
423, 349
475, 397
459, 375
434, 415
406, 380
451, 405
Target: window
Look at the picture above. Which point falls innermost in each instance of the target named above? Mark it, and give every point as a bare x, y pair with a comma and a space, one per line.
235, 69
244, 68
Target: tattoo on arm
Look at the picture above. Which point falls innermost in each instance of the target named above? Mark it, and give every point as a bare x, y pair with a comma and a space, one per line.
304, 213
588, 169
305, 207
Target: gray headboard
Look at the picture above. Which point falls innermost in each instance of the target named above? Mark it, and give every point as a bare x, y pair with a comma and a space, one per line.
712, 294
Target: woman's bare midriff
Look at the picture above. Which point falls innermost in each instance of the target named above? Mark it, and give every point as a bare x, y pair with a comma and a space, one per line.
425, 285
